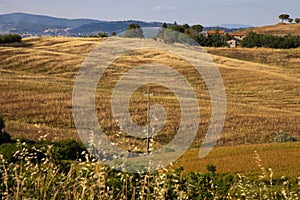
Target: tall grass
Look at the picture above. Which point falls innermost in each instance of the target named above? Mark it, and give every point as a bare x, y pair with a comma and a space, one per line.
35, 178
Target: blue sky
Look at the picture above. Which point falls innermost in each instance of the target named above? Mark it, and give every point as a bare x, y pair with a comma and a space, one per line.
208, 12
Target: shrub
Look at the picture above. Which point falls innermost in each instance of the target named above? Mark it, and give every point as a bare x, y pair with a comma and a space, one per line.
4, 137
28, 179
8, 150
68, 150
284, 137
10, 38
270, 41
211, 168
2, 123
102, 35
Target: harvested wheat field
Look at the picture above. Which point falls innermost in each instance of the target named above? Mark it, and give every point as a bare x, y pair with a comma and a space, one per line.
262, 88
278, 29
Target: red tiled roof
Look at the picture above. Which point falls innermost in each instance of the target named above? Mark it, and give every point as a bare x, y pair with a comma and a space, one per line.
211, 32
236, 34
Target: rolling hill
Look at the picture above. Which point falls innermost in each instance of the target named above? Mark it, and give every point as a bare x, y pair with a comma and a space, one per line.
278, 29
263, 94
30, 25
262, 87
40, 25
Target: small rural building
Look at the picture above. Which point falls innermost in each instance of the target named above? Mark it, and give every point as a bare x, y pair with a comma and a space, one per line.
159, 40
231, 43
237, 36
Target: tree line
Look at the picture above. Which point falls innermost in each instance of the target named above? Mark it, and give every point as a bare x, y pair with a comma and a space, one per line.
270, 41
10, 38
191, 35
185, 33
286, 17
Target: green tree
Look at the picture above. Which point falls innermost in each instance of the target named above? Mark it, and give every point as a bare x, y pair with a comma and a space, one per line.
164, 25
2, 124
102, 35
270, 41
251, 40
290, 20
297, 20
186, 34
4, 137
218, 40
197, 29
186, 28
284, 17
113, 33
170, 36
211, 168
177, 28
10, 38
134, 31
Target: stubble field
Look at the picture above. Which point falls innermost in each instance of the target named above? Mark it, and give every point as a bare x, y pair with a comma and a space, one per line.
262, 87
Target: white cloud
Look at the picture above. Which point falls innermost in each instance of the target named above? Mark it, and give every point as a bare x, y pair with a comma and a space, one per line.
157, 9
165, 8
171, 8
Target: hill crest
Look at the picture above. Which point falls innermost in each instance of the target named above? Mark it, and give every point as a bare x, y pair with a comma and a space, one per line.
278, 29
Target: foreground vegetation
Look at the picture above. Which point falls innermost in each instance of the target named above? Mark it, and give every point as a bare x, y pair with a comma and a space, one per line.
65, 170
35, 174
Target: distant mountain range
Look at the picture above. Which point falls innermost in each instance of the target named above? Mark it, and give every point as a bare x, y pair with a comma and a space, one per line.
40, 25
235, 26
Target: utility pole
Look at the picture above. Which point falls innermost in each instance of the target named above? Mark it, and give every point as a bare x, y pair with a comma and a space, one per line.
148, 121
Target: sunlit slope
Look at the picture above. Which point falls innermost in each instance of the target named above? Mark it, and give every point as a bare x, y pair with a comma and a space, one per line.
37, 80
278, 29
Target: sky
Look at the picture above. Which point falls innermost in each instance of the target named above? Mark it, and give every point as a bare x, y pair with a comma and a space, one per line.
208, 12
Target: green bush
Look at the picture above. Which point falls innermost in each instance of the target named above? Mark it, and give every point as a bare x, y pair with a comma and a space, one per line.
270, 41
102, 35
8, 150
62, 151
192, 35
2, 123
134, 31
284, 137
10, 38
4, 137
68, 150
28, 179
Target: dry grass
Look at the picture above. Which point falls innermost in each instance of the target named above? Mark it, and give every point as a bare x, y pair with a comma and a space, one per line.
163, 96
287, 59
53, 56
278, 29
283, 158
36, 87
89, 179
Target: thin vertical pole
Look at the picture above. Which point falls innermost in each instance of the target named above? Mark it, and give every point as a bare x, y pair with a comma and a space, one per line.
148, 123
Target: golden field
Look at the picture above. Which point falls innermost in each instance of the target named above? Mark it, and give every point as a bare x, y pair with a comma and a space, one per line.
262, 87
278, 29
251, 160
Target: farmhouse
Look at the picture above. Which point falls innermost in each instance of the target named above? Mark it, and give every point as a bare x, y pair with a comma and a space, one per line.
212, 32
237, 36
231, 43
